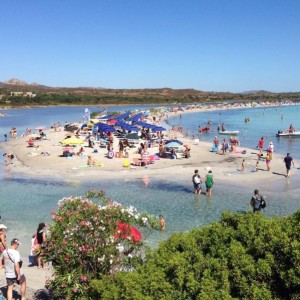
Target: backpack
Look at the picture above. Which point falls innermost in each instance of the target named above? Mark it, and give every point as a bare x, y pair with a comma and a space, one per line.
263, 203
197, 181
252, 202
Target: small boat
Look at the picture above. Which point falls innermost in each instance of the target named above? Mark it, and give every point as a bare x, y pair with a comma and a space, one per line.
287, 133
229, 132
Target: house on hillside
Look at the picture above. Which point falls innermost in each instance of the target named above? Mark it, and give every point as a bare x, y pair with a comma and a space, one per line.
25, 94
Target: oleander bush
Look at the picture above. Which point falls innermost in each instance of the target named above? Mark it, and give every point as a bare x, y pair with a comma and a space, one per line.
92, 237
241, 257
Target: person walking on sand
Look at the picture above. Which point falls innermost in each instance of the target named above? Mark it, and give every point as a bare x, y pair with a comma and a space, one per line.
209, 181
197, 182
260, 145
216, 144
224, 146
42, 240
13, 270
288, 160
243, 165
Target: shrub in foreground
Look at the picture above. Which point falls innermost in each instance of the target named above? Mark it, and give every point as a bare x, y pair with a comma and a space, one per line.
241, 257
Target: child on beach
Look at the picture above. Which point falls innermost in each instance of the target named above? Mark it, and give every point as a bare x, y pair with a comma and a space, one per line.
243, 165
257, 166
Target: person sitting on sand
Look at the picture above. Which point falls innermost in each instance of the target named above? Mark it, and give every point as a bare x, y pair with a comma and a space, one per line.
81, 151
91, 161
10, 158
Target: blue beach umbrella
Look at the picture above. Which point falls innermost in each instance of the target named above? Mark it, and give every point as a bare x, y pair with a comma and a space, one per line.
159, 128
173, 145
173, 141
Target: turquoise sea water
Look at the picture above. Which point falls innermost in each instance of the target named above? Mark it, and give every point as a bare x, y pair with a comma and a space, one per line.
27, 201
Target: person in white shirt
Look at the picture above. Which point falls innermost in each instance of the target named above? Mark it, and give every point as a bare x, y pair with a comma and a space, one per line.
13, 272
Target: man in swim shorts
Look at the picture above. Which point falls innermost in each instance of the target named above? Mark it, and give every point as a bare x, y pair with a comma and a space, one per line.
288, 160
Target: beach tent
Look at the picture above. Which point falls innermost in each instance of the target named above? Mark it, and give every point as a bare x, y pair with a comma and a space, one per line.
72, 141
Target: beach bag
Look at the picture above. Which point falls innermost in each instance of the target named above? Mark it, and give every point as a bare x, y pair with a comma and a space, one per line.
252, 202
263, 203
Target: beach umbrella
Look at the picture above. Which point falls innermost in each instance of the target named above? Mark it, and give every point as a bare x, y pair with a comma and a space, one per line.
159, 128
136, 117
132, 136
112, 122
107, 129
72, 141
125, 231
40, 128
176, 141
123, 116
106, 117
173, 145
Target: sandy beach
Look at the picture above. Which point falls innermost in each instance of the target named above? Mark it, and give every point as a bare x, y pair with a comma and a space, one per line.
30, 161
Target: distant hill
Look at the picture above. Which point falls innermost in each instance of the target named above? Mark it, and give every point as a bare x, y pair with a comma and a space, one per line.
45, 95
14, 81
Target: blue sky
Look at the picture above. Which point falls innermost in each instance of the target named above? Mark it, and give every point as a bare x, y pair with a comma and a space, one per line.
225, 45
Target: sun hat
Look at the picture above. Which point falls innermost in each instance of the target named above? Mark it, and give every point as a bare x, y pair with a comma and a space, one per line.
2, 226
271, 143
15, 241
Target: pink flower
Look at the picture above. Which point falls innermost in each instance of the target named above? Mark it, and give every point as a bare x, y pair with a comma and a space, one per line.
75, 289
83, 278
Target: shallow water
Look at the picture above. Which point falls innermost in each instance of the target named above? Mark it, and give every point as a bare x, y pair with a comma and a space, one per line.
27, 201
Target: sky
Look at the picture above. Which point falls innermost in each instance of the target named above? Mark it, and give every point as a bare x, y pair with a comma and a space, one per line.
213, 45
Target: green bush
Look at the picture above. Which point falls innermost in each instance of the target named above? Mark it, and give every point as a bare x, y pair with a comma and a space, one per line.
241, 257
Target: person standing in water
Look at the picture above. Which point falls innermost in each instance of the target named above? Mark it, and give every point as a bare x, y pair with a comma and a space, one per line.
162, 223
197, 182
209, 181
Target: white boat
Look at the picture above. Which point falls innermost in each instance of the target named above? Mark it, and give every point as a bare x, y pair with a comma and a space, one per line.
229, 132
287, 133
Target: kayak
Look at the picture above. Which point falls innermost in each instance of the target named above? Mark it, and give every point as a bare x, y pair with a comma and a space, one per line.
229, 132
